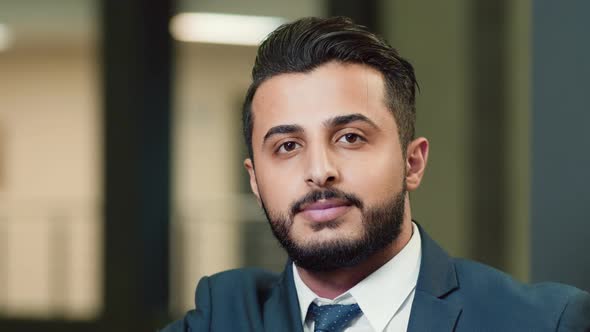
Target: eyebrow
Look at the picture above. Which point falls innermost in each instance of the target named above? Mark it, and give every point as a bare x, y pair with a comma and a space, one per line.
332, 122
346, 119
282, 129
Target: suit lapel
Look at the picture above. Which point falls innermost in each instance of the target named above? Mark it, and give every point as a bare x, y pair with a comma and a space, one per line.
281, 310
432, 314
437, 278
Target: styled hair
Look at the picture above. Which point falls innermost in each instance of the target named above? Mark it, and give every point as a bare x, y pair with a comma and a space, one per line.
305, 44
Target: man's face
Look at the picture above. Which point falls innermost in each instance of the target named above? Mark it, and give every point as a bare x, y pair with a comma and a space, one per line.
329, 170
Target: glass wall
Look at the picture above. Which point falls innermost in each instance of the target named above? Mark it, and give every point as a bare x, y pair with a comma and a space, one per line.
50, 228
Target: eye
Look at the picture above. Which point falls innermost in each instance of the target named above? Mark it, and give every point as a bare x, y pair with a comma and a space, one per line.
288, 147
350, 138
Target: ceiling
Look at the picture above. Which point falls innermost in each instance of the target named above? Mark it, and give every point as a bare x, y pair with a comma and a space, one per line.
42, 23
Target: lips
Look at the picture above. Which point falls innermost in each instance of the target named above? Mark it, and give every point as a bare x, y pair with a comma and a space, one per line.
325, 210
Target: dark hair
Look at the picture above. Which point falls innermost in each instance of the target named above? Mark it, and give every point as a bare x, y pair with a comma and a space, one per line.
305, 44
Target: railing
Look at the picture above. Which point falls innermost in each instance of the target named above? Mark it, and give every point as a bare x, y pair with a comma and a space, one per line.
50, 260
51, 253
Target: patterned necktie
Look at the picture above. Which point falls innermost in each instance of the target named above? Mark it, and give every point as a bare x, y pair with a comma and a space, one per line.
333, 317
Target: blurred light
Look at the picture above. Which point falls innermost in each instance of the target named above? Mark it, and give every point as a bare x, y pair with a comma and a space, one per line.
223, 28
5, 37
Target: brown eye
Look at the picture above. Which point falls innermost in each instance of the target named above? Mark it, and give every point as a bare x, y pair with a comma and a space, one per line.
350, 138
288, 147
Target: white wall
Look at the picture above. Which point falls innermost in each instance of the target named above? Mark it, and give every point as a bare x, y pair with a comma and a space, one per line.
49, 182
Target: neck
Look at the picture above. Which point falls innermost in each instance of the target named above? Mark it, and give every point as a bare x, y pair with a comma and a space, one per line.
330, 284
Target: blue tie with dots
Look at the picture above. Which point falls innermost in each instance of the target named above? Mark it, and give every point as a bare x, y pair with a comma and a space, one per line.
333, 317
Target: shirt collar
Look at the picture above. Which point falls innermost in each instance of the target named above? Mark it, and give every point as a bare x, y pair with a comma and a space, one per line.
397, 278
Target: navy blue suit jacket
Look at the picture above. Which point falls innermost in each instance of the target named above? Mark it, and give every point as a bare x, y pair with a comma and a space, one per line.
451, 295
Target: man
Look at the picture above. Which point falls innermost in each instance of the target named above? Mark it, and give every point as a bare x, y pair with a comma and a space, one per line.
329, 124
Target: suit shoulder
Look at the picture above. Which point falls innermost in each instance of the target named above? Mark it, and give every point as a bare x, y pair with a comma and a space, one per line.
237, 293
476, 275
245, 279
235, 286
548, 303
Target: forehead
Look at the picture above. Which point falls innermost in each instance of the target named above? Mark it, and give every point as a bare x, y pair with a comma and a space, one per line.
308, 99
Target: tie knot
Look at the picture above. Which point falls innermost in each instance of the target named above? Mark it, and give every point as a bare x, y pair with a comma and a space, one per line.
333, 317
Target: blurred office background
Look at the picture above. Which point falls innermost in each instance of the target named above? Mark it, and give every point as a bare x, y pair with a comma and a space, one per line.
121, 178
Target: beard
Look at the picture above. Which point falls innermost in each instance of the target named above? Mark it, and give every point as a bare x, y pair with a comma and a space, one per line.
381, 225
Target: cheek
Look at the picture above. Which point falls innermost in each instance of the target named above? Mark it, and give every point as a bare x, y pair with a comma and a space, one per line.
376, 176
279, 187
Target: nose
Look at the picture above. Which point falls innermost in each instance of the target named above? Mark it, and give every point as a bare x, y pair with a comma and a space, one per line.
322, 170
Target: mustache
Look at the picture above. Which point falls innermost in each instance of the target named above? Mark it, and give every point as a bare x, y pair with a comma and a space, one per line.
331, 193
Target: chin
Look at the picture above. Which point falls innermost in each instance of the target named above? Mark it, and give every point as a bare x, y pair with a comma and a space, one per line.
317, 236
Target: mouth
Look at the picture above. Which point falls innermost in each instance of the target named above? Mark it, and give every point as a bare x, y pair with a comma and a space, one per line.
325, 210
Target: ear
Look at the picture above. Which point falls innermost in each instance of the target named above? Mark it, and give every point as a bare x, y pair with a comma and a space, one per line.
416, 159
253, 183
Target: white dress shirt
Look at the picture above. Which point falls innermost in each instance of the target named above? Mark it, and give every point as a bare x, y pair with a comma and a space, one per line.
385, 296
